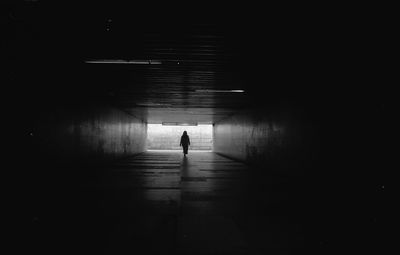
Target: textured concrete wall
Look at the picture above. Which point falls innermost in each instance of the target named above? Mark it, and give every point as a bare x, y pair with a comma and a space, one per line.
168, 137
92, 132
275, 142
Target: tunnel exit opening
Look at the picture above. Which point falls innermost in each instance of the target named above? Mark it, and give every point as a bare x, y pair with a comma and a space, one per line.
167, 136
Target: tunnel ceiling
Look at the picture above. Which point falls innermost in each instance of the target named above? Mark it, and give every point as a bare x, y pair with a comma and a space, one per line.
198, 54
192, 77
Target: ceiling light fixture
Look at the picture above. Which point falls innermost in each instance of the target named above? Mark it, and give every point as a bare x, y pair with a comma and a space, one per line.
152, 104
219, 90
120, 61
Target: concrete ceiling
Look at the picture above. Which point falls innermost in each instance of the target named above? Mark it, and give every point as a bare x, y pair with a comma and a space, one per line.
201, 49
191, 81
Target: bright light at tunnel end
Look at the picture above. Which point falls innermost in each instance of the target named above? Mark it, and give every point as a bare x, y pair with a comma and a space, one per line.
166, 137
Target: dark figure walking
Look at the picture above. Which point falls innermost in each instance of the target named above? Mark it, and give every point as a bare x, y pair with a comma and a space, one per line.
185, 142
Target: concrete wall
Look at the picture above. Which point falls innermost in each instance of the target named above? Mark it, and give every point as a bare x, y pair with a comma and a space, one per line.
168, 137
280, 143
88, 133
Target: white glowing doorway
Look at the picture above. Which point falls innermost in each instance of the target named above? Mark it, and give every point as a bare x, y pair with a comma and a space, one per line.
167, 136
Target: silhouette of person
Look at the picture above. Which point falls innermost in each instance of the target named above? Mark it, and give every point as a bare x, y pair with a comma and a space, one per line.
185, 142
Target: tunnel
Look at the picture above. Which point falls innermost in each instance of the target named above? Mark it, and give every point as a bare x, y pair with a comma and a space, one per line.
293, 161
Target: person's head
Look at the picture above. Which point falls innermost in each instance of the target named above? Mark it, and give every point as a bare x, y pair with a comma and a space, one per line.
184, 133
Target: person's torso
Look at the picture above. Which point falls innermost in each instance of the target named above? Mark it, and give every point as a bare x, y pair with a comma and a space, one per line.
185, 139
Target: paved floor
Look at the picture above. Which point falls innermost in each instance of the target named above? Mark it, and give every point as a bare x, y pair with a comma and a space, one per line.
160, 202
184, 205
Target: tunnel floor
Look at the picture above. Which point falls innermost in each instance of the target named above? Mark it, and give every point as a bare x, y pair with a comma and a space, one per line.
160, 202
